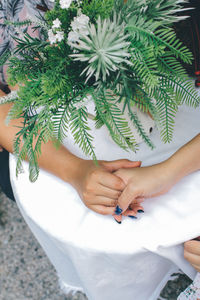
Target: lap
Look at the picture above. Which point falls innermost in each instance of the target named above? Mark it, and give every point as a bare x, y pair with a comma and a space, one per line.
95, 243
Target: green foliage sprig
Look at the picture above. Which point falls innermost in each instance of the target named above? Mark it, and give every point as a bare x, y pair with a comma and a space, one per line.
108, 50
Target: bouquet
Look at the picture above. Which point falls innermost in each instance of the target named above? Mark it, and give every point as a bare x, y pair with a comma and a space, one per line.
107, 52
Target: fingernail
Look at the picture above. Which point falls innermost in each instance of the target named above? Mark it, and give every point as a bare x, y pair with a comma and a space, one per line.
132, 217
140, 211
118, 210
119, 222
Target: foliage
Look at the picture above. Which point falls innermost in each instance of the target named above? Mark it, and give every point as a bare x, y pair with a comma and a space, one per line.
134, 58
105, 49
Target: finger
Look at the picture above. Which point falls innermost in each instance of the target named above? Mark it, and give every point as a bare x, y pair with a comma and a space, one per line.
130, 213
102, 210
192, 247
113, 166
127, 197
192, 258
111, 181
136, 208
1, 149
107, 192
139, 199
118, 219
101, 200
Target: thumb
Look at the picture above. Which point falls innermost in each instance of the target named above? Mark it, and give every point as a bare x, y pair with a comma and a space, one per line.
115, 165
127, 197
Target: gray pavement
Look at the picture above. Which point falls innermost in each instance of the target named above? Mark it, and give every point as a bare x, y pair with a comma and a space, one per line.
25, 271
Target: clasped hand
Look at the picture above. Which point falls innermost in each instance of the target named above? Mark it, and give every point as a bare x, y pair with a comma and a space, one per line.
120, 184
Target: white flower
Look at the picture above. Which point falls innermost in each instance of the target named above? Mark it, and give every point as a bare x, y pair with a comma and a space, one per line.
83, 31
56, 23
52, 0
59, 36
73, 37
80, 22
83, 20
65, 3
52, 36
79, 27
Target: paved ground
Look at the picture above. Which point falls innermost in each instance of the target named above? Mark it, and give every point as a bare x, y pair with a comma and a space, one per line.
25, 272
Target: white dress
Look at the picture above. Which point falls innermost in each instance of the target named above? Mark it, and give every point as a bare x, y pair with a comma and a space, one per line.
93, 253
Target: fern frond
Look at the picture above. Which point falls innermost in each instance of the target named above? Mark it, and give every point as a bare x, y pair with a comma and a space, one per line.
150, 33
145, 102
165, 11
145, 64
112, 117
80, 131
168, 64
167, 109
138, 125
183, 89
61, 123
18, 24
33, 163
28, 43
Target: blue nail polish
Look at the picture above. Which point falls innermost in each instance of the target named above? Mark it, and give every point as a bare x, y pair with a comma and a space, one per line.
118, 222
132, 217
118, 210
140, 211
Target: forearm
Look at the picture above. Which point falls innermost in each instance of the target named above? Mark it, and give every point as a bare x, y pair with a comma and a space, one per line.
61, 162
186, 160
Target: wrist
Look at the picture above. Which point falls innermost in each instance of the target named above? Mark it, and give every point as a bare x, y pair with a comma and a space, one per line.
71, 169
175, 169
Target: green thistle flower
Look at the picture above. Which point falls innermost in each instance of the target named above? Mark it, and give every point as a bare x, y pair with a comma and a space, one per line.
104, 49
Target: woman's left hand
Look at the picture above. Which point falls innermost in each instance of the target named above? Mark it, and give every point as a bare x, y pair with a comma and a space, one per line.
144, 182
192, 253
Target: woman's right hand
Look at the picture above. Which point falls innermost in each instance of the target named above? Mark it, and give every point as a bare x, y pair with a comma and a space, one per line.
192, 253
97, 186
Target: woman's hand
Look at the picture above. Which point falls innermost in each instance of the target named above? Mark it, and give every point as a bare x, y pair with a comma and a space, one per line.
97, 186
144, 182
192, 253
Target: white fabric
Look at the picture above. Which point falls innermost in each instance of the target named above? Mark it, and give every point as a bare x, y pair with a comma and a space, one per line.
92, 252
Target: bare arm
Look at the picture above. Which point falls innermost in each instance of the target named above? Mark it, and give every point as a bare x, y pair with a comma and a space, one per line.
158, 179
97, 186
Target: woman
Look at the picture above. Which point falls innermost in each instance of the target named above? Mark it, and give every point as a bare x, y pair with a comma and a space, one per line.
120, 261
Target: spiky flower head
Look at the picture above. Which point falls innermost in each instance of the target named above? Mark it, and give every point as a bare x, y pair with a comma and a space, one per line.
104, 49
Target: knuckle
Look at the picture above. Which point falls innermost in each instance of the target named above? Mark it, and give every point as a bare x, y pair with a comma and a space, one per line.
85, 196
117, 195
185, 254
102, 211
187, 246
113, 203
89, 188
118, 184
